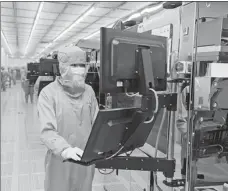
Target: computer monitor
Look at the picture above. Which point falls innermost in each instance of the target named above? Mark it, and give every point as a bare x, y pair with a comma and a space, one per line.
128, 57
49, 67
109, 133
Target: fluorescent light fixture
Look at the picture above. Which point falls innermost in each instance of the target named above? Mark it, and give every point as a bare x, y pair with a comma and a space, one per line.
46, 47
93, 34
75, 23
69, 28
34, 25
6, 42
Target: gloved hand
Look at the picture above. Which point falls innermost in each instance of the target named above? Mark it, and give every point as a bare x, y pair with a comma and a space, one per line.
72, 153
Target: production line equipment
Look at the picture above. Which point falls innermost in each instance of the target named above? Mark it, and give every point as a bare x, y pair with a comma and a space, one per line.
208, 103
130, 63
49, 69
33, 70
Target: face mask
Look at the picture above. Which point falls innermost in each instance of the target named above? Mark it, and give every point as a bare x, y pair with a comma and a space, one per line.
74, 79
78, 71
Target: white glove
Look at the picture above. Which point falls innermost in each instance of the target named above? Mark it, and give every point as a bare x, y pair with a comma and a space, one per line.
72, 153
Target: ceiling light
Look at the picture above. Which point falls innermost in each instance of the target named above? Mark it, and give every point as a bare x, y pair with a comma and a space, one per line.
46, 47
75, 23
69, 28
6, 42
90, 36
34, 25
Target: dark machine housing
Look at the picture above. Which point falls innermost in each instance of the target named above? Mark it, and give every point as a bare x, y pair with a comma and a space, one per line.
48, 67
122, 58
33, 72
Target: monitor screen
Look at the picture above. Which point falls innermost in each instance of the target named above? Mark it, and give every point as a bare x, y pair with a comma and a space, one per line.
120, 60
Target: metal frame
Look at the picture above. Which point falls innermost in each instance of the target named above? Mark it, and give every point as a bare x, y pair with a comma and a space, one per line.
190, 171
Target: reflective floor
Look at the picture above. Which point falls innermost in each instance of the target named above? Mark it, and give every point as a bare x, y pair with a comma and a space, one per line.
22, 153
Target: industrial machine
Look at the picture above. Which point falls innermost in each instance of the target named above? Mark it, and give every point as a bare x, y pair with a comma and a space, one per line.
50, 69
204, 48
135, 64
144, 73
33, 70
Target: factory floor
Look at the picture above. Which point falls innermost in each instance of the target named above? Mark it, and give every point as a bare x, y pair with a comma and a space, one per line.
22, 153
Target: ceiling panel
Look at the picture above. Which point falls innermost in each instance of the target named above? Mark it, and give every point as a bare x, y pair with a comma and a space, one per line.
7, 4
42, 26
33, 6
49, 38
52, 34
9, 25
53, 7
62, 2
47, 28
90, 19
25, 13
75, 9
45, 15
98, 25
134, 5
80, 26
91, 30
110, 4
26, 26
40, 30
7, 19
119, 13
82, 3
105, 21
7, 12
45, 22
68, 17
57, 28
12, 32
25, 20
62, 23
75, 29
100, 11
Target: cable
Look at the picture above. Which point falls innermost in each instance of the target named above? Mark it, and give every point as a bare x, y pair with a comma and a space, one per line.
156, 108
105, 173
132, 95
117, 152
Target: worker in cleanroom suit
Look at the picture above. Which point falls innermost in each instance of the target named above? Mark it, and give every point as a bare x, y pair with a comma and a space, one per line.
14, 74
3, 78
28, 87
10, 77
67, 108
